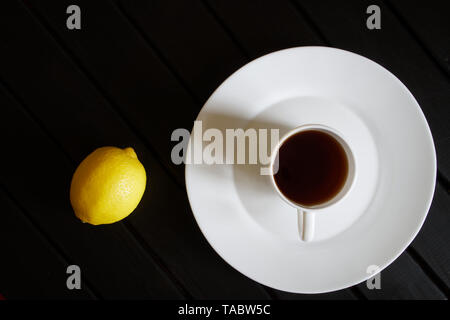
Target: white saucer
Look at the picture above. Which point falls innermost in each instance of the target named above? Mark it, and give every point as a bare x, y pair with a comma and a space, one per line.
252, 229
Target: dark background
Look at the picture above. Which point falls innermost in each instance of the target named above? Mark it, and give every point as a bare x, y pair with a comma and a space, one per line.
136, 71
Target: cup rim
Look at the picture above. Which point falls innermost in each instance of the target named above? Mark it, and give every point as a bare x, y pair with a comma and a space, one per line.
350, 157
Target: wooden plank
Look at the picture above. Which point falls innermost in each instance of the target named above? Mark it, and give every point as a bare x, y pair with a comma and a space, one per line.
80, 119
30, 266
126, 71
259, 38
38, 176
189, 39
432, 241
429, 22
264, 26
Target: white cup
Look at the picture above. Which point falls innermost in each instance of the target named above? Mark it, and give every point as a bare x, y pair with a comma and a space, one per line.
306, 214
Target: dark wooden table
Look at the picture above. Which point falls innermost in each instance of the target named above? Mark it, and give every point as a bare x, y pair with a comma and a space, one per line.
136, 71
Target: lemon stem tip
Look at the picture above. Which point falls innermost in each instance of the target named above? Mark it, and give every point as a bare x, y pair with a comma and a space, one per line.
130, 152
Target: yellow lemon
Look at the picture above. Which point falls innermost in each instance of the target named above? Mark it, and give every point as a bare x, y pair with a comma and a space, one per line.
107, 186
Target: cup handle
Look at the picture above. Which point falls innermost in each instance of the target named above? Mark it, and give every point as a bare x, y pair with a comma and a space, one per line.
306, 222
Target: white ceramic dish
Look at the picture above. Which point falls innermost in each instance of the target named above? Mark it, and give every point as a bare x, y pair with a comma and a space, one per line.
248, 224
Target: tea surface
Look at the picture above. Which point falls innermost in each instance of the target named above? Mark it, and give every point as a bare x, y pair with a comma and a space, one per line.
313, 168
